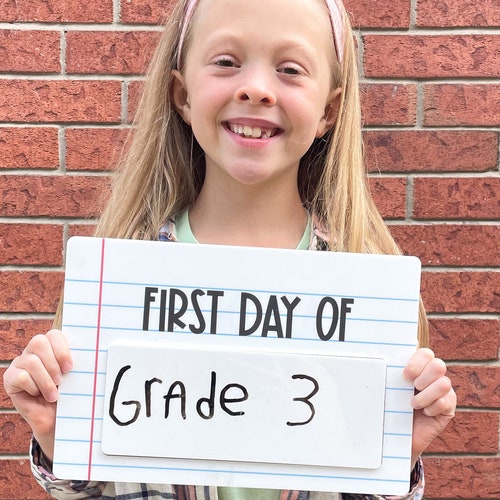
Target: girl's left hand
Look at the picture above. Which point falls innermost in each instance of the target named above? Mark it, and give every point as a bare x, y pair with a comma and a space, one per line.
434, 402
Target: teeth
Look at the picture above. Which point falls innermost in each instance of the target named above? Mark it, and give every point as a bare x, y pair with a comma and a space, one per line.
253, 132
248, 131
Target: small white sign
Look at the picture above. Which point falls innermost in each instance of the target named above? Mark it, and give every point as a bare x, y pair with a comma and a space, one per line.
251, 317
179, 401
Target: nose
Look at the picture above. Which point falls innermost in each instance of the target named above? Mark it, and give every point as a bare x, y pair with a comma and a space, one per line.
256, 88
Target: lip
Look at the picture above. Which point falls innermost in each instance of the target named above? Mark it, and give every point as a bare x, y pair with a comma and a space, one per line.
253, 122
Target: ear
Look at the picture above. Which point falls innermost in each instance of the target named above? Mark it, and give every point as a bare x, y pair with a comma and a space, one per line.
329, 117
180, 96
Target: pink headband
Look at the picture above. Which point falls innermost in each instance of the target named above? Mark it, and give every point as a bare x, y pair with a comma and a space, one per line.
334, 8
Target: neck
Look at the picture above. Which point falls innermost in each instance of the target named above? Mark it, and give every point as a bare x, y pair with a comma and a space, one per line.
249, 216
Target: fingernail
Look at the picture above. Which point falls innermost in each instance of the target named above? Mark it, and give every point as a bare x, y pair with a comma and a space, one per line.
53, 397
66, 367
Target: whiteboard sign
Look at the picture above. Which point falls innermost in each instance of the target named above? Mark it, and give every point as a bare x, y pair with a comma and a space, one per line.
231, 307
177, 401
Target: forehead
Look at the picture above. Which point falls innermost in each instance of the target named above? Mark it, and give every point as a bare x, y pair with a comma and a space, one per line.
265, 21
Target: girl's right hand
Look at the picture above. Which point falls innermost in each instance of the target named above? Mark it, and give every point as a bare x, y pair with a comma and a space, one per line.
31, 382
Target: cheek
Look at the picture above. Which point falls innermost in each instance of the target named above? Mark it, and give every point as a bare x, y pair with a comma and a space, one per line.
205, 105
312, 126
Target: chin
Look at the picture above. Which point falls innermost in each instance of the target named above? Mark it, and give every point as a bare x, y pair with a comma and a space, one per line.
257, 175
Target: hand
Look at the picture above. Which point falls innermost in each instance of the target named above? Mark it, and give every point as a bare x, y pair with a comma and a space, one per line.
31, 383
434, 401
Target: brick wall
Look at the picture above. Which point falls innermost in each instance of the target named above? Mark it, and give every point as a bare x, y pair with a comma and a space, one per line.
69, 76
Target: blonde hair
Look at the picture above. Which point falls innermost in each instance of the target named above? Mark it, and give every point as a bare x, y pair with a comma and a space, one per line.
162, 169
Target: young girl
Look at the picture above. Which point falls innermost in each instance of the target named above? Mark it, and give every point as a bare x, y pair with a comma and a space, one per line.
248, 133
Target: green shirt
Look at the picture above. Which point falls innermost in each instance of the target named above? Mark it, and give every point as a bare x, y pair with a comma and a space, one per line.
185, 234
247, 494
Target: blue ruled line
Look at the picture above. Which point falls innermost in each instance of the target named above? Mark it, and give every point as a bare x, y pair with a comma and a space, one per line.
272, 292
229, 471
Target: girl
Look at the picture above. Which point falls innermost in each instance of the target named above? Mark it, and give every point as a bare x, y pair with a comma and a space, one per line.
248, 133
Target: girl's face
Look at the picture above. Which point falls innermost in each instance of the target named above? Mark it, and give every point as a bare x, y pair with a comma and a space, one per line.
256, 87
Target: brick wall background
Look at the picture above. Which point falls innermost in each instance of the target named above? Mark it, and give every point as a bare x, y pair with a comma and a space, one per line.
69, 76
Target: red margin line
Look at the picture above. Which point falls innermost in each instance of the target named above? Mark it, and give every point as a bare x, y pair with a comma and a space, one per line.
98, 335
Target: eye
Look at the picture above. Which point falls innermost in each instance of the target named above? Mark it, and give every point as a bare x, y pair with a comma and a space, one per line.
290, 70
226, 62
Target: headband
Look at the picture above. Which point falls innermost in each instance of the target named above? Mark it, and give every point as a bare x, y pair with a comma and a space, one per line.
336, 19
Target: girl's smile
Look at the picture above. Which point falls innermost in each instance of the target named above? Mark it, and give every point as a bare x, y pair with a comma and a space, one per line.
247, 130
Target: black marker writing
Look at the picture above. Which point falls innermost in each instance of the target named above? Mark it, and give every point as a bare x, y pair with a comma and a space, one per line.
306, 399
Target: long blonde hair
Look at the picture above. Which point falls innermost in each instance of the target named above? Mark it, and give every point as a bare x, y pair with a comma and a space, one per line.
162, 169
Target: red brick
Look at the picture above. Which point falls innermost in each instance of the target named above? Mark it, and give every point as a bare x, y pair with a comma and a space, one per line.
462, 477
145, 11
450, 244
30, 51
461, 291
476, 386
28, 244
82, 230
469, 432
53, 196
60, 101
17, 482
468, 105
30, 291
431, 151
389, 104
440, 56
15, 434
465, 339
16, 333
379, 14
93, 148
69, 11
29, 147
458, 13
389, 194
118, 52
456, 198
134, 93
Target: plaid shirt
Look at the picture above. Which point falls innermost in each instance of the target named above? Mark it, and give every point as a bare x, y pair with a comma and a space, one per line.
83, 490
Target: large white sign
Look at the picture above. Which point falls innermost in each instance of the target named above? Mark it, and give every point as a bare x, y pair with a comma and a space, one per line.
217, 365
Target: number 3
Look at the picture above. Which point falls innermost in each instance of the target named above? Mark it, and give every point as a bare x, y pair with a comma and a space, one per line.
306, 400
